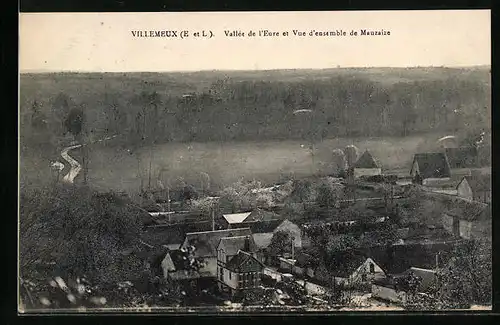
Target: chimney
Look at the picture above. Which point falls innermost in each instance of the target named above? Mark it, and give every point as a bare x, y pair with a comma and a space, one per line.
246, 247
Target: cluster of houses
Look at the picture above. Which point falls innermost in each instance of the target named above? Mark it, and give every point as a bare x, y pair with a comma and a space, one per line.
235, 252
235, 256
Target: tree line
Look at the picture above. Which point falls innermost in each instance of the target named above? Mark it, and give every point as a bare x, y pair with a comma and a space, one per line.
342, 106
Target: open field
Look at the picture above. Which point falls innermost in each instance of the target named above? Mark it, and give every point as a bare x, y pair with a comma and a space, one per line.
117, 168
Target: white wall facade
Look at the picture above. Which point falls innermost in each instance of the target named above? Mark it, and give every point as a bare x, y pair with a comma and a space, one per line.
433, 181
358, 172
447, 222
465, 228
464, 190
388, 294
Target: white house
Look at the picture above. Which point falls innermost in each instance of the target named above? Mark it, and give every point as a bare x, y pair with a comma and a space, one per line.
237, 265
476, 187
366, 166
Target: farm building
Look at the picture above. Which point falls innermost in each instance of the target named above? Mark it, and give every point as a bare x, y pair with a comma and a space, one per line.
476, 187
366, 166
429, 167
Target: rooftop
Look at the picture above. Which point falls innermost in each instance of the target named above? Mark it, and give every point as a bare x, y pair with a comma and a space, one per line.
479, 182
206, 242
432, 165
366, 161
232, 245
236, 217
468, 210
244, 262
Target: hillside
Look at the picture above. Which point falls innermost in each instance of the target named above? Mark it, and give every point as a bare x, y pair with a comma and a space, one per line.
256, 105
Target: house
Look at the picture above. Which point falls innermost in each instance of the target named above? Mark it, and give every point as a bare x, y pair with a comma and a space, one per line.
205, 245
468, 219
476, 187
238, 272
366, 166
395, 288
462, 157
429, 167
347, 268
353, 268
228, 248
176, 267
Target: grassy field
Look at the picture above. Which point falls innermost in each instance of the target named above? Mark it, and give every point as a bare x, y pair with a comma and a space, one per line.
118, 168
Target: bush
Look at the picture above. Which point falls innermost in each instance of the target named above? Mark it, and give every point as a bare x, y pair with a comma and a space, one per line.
79, 231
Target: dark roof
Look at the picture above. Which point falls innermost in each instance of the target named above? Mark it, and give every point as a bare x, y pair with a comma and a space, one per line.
468, 210
206, 242
432, 165
344, 264
462, 157
366, 161
399, 258
232, 245
261, 215
159, 236
244, 262
306, 260
263, 226
479, 182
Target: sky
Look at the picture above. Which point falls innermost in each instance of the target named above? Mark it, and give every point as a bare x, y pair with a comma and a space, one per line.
103, 42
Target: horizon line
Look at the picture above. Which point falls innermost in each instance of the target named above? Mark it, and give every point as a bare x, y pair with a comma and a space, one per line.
41, 71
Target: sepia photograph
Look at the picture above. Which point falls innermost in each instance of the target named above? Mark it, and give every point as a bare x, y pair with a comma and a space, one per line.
255, 162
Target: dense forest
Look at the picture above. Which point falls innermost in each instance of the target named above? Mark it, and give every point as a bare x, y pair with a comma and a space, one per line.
145, 108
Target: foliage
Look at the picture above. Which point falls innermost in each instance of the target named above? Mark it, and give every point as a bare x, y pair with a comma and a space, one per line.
466, 280
349, 103
328, 192
303, 192
79, 231
341, 243
239, 196
75, 121
280, 243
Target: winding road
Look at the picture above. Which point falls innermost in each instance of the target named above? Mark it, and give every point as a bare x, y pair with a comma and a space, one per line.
75, 166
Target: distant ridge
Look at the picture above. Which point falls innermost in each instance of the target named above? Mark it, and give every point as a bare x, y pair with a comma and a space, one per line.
476, 67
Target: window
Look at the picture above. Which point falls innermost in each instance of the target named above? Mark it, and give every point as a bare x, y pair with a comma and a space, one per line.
372, 268
221, 274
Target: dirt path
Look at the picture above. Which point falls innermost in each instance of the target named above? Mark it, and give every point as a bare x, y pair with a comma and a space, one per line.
75, 166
